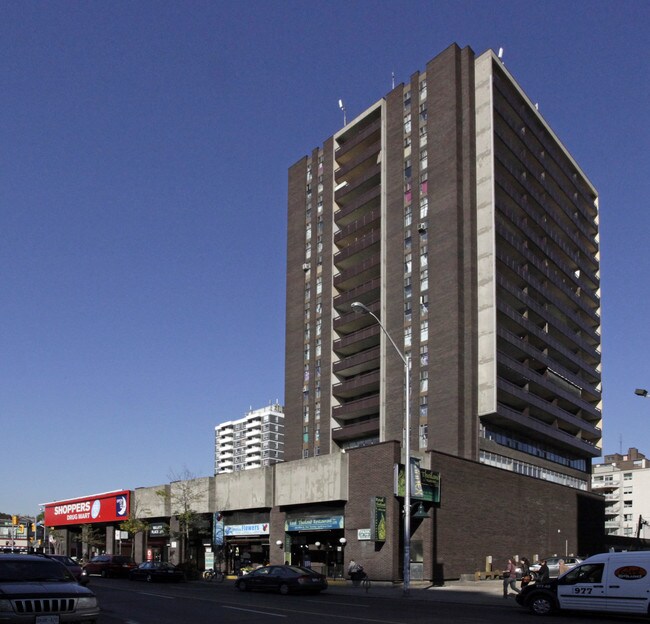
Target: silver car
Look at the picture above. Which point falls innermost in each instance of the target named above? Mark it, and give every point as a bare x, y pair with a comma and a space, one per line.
553, 564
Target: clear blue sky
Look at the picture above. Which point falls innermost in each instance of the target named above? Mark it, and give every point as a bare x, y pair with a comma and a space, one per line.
144, 149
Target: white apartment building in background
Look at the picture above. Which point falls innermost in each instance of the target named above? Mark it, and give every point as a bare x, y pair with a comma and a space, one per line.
253, 441
624, 481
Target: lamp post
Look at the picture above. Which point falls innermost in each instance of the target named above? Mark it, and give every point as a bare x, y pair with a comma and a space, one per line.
357, 306
343, 542
642, 392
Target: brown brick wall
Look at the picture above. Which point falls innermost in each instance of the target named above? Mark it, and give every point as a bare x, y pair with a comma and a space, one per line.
453, 421
488, 511
373, 470
295, 312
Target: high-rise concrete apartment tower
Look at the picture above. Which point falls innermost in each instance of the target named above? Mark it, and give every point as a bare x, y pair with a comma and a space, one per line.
454, 213
624, 481
253, 441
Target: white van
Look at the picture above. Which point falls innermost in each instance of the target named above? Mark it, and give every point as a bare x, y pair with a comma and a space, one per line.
617, 582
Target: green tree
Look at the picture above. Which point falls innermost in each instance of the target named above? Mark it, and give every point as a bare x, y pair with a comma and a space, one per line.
134, 525
183, 497
91, 538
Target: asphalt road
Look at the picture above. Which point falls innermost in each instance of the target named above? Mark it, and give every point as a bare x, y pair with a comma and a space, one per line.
131, 602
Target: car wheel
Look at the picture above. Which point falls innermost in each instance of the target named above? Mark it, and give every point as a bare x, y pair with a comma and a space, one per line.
241, 586
541, 604
284, 589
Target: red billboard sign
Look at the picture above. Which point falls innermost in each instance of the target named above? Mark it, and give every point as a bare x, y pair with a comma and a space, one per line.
108, 507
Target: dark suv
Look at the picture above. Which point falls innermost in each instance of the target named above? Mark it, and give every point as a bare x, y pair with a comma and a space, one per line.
33, 587
110, 565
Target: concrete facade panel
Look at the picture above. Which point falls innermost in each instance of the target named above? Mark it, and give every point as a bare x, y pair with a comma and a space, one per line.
198, 493
245, 489
316, 479
148, 503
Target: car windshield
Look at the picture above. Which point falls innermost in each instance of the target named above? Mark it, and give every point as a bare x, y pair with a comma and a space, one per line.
306, 570
45, 570
65, 560
298, 570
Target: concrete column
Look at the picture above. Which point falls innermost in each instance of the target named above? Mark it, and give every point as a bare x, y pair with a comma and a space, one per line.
110, 540
139, 554
175, 554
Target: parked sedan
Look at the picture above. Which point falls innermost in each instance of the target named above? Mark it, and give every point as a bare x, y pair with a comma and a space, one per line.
110, 565
553, 564
151, 571
284, 579
77, 571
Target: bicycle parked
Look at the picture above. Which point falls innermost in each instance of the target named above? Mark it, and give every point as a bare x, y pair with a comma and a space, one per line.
213, 574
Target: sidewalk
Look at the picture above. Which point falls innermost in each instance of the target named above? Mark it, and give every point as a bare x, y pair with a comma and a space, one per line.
475, 592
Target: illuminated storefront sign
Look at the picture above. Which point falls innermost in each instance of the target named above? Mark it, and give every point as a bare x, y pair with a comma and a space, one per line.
108, 507
425, 484
378, 518
314, 524
246, 529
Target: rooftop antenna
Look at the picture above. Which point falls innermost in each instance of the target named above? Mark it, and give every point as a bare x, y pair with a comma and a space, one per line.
393, 79
500, 55
345, 122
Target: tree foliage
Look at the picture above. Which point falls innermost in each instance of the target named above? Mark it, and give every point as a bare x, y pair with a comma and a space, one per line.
183, 497
134, 525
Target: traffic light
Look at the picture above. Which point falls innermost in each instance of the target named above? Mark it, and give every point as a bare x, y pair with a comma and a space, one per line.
14, 520
32, 528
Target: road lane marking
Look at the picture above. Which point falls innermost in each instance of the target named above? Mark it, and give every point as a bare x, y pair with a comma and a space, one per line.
157, 595
254, 611
337, 616
339, 604
218, 601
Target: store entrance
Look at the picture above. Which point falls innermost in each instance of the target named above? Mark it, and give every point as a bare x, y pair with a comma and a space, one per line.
320, 550
245, 555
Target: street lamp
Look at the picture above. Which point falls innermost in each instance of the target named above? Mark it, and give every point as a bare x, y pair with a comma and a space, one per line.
357, 306
642, 392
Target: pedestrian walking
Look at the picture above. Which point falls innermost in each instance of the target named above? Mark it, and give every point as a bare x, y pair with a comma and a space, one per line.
543, 573
355, 571
525, 572
510, 578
